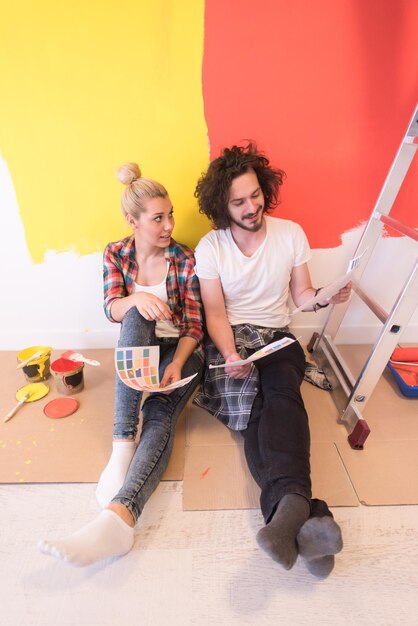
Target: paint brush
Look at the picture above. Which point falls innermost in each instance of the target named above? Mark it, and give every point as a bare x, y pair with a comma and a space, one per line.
77, 356
16, 408
32, 358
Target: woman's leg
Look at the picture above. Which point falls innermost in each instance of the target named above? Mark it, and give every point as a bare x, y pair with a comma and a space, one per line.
159, 413
112, 533
135, 331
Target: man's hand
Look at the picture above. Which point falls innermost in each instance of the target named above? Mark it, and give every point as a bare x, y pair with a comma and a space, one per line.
342, 295
238, 371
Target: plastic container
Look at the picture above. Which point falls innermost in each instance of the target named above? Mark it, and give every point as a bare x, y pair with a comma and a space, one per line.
404, 366
411, 391
68, 376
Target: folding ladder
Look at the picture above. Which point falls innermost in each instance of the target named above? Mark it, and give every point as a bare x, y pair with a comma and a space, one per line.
350, 395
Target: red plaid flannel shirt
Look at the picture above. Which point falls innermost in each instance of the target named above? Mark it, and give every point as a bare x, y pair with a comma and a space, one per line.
183, 291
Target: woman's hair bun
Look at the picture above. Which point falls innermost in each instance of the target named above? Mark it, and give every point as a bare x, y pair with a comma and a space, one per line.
128, 173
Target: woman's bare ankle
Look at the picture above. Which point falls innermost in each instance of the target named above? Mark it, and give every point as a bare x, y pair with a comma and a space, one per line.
122, 512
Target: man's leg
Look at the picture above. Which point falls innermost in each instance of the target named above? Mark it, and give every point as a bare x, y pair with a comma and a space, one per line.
277, 452
283, 435
280, 468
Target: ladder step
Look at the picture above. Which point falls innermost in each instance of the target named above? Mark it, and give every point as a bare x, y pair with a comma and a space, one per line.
396, 225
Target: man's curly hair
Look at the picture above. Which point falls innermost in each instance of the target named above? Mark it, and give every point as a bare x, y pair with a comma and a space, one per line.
212, 190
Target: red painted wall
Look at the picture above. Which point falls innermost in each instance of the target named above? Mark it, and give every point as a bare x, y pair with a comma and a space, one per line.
327, 89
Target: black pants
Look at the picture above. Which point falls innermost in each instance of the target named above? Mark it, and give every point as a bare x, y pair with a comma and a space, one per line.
277, 439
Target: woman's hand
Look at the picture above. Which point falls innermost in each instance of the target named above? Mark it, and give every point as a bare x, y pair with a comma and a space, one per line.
172, 374
151, 307
342, 295
238, 371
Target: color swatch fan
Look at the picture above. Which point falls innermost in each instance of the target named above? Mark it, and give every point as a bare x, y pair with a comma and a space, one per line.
137, 367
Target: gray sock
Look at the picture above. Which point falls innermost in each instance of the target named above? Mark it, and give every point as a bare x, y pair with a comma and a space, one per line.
322, 567
318, 540
278, 537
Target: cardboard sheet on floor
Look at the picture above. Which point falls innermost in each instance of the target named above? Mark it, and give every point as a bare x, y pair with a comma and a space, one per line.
385, 472
35, 448
38, 449
205, 430
216, 475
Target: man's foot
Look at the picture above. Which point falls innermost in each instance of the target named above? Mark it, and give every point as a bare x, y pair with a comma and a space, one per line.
278, 537
318, 540
316, 376
114, 474
106, 536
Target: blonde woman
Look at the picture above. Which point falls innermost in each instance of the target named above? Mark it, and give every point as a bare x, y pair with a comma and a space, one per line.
150, 287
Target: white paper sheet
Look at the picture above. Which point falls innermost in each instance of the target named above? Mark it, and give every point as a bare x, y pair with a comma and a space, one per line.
271, 347
332, 288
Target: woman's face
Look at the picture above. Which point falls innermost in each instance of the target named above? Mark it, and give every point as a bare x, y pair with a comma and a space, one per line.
155, 223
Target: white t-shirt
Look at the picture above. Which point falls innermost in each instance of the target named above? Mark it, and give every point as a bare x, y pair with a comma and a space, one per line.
256, 288
163, 328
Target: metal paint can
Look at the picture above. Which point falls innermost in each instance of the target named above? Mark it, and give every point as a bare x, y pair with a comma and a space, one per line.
38, 369
68, 376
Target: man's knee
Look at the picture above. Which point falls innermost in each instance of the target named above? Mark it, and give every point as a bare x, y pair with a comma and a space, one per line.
283, 372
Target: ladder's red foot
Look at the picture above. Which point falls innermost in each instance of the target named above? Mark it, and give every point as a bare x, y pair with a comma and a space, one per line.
359, 435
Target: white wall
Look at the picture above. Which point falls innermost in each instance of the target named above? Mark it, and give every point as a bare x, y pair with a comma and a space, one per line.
59, 302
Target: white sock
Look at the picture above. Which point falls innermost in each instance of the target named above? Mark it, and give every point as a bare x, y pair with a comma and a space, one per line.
106, 536
114, 474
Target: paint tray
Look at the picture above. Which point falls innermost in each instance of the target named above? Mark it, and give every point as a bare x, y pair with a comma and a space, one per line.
404, 366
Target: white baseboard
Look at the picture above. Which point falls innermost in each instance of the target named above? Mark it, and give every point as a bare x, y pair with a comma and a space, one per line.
60, 340
107, 338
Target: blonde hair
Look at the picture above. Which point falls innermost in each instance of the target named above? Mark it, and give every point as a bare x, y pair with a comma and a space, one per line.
138, 189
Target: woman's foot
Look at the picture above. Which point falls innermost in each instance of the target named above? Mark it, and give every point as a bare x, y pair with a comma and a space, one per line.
106, 536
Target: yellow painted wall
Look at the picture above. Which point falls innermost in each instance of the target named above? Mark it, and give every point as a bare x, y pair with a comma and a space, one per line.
87, 85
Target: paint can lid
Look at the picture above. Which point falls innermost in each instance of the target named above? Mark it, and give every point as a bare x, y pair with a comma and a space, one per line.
61, 407
36, 391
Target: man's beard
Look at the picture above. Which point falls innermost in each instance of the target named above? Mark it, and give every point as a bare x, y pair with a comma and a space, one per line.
254, 227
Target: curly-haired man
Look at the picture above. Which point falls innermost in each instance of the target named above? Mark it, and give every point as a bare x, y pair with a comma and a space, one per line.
247, 266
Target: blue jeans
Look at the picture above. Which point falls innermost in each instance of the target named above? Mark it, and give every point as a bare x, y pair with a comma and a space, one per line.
159, 414
277, 438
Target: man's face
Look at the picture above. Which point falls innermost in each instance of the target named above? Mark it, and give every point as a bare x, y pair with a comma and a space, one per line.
246, 202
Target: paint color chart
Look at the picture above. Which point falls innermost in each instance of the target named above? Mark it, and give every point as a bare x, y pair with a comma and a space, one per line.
137, 367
